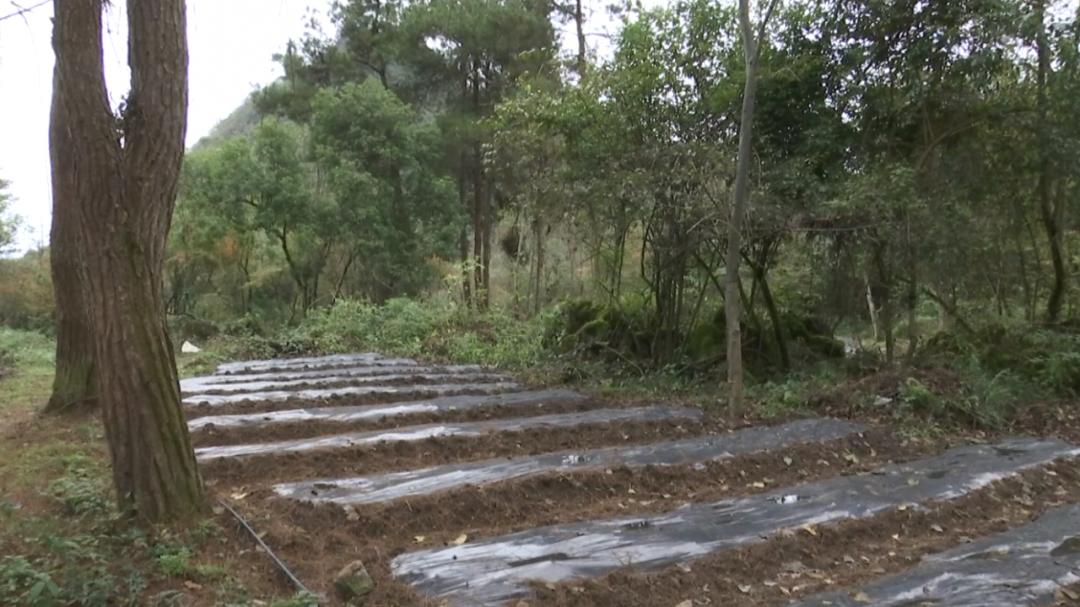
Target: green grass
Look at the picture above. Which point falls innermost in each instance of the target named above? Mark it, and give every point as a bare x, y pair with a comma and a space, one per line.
26, 386
61, 541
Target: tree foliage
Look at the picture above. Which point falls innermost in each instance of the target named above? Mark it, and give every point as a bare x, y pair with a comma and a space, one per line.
910, 160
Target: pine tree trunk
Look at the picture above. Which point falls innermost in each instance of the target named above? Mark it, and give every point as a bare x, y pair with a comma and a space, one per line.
124, 191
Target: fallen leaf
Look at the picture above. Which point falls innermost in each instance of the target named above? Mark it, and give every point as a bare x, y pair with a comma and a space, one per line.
351, 514
192, 585
419, 539
461, 539
794, 567
744, 588
810, 529
862, 597
686, 603
788, 461
937, 528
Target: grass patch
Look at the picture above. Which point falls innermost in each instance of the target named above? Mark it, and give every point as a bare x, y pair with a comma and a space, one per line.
61, 542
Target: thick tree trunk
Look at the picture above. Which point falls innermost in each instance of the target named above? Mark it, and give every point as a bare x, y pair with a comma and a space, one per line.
73, 385
124, 189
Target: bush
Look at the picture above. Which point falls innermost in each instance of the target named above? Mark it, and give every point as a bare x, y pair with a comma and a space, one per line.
1050, 358
406, 327
26, 297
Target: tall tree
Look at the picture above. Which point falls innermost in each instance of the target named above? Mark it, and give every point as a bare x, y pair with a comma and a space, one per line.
120, 188
752, 43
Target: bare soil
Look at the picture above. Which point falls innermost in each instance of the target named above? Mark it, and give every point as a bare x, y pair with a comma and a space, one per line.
317, 540
212, 435
405, 379
260, 470
819, 559
262, 406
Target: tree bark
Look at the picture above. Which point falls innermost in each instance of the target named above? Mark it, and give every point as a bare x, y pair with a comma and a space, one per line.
123, 186
73, 384
732, 307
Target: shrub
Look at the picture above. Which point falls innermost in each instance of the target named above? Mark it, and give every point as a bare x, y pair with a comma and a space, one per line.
26, 297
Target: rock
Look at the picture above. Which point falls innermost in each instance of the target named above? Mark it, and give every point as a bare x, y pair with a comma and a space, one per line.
353, 582
189, 348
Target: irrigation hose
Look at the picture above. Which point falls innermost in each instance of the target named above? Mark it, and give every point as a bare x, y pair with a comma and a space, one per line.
281, 565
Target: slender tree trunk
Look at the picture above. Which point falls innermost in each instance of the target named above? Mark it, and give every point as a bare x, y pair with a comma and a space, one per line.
1049, 212
538, 288
912, 298
774, 318
124, 188
463, 237
582, 57
886, 313
738, 210
874, 322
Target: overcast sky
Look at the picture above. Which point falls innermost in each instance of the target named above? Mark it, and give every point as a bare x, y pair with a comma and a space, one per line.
232, 43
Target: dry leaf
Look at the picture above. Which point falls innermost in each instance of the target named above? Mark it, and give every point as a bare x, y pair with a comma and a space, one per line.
461, 539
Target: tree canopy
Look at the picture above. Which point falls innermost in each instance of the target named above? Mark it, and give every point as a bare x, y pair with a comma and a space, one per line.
909, 159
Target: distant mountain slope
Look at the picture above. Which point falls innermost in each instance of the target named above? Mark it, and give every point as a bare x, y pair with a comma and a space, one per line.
239, 122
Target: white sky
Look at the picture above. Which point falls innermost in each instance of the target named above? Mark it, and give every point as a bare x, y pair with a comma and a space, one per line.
231, 45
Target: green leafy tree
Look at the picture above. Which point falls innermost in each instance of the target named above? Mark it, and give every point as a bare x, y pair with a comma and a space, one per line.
380, 162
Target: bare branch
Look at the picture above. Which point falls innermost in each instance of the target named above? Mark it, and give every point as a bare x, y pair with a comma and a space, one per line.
23, 10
